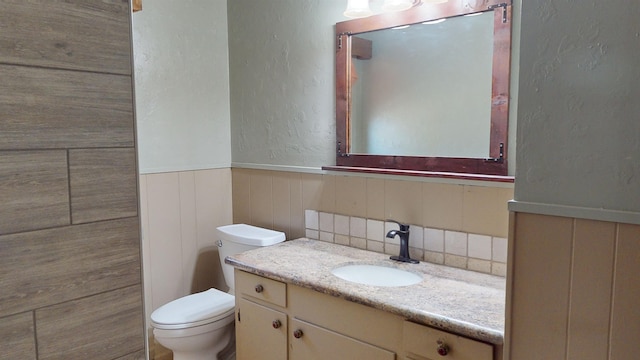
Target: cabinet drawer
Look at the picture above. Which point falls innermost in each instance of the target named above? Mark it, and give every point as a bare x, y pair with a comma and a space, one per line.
421, 343
311, 342
271, 291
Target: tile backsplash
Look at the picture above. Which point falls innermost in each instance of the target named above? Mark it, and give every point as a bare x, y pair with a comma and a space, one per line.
476, 252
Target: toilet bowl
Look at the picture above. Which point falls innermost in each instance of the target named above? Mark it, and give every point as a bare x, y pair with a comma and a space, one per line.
195, 326
201, 326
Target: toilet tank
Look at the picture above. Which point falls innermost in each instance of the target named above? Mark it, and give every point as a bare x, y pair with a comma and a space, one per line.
237, 238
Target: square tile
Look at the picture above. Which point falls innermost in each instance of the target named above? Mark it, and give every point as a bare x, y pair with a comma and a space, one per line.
326, 222
455, 243
358, 227
499, 269
341, 224
326, 236
499, 249
311, 220
416, 237
416, 254
434, 257
341, 239
434, 240
312, 234
376, 246
375, 229
483, 266
392, 249
479, 246
455, 261
359, 243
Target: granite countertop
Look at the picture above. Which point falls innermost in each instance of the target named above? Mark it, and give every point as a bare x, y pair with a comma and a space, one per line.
459, 301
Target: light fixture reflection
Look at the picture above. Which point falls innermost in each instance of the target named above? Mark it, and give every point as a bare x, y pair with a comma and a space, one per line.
360, 8
397, 5
433, 22
357, 9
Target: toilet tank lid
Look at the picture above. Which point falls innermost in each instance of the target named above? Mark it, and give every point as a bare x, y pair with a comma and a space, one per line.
194, 308
250, 235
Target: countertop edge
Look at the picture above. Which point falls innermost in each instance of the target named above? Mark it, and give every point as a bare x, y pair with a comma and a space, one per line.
434, 320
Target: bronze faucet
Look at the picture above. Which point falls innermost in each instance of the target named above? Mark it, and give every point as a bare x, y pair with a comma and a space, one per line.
403, 233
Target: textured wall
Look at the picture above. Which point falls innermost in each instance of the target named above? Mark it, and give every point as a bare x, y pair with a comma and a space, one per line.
578, 152
282, 71
182, 85
578, 128
282, 81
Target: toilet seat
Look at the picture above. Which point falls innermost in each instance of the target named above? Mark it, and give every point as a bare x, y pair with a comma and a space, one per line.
194, 310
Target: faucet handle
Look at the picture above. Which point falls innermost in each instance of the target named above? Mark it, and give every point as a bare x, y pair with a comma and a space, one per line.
403, 227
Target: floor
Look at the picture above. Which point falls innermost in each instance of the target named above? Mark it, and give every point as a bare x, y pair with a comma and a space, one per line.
157, 351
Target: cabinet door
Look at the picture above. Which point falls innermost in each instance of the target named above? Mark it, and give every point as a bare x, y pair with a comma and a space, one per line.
261, 332
309, 342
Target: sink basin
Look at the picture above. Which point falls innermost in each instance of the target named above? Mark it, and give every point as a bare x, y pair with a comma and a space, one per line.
376, 275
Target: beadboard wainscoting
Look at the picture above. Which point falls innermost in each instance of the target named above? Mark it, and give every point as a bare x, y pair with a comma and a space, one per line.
179, 212
574, 288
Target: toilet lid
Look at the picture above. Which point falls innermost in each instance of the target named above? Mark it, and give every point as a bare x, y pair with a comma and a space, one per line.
250, 235
194, 310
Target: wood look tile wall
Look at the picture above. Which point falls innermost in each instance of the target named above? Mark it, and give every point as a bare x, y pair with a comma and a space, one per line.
34, 190
70, 270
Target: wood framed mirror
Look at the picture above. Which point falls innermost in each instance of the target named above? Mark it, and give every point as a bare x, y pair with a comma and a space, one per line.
356, 42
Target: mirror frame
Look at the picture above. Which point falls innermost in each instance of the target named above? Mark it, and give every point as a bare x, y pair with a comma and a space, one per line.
496, 164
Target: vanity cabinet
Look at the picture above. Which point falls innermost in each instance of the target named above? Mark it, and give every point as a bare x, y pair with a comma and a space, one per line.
280, 321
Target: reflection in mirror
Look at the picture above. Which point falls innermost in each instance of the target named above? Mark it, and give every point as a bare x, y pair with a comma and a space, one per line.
429, 99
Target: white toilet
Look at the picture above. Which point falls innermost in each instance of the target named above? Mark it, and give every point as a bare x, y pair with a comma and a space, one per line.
201, 326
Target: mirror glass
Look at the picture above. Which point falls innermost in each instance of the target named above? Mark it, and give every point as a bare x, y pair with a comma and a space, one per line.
419, 97
426, 89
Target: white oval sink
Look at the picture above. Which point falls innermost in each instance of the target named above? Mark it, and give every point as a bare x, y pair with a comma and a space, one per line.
376, 275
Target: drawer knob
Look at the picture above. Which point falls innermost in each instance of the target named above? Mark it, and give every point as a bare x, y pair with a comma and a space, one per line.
298, 334
276, 324
259, 289
443, 349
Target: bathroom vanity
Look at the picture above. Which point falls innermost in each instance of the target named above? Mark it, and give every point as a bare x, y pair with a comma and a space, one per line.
290, 306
